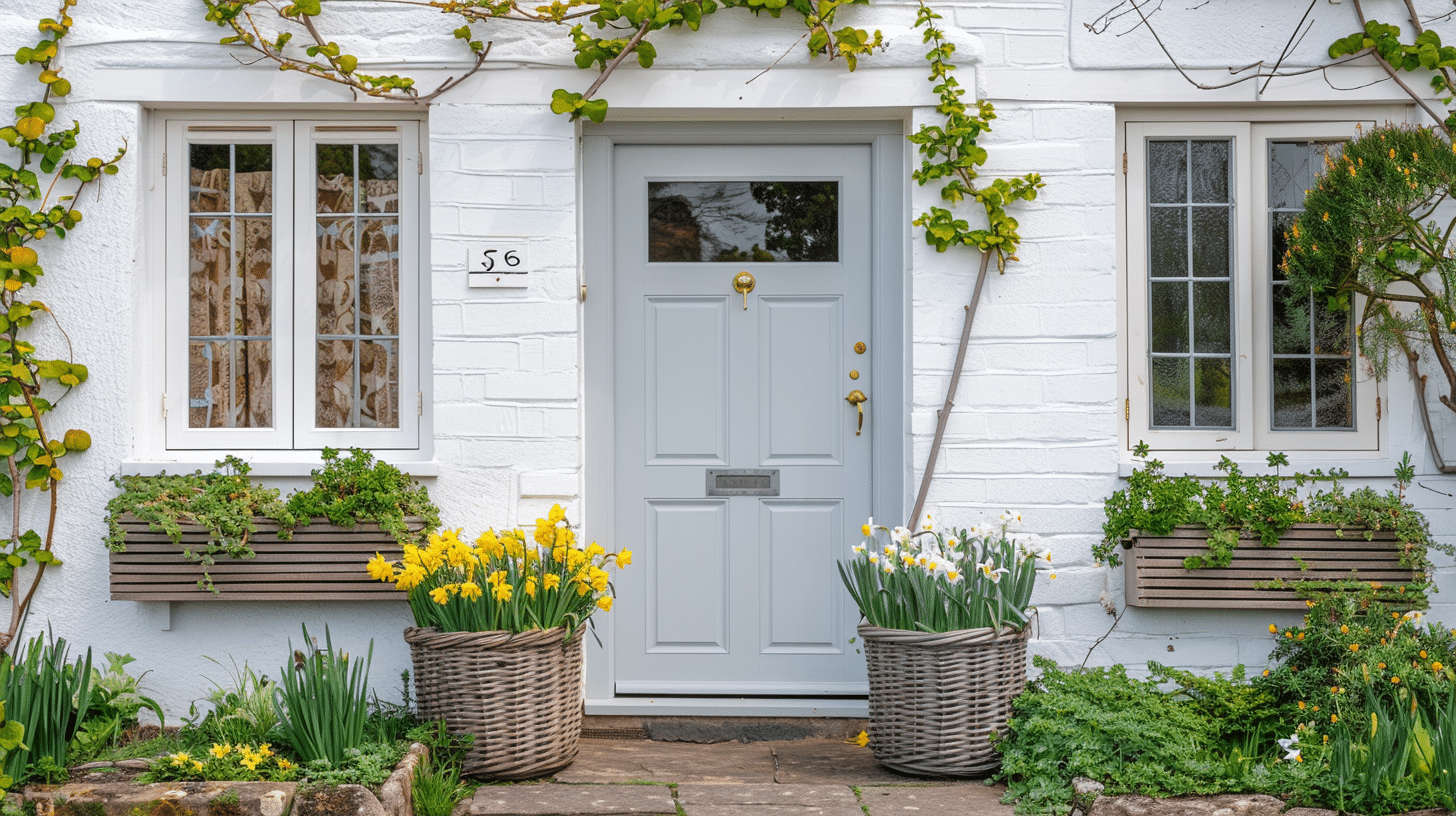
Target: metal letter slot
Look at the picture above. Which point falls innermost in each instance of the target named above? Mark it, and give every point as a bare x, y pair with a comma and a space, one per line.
743, 482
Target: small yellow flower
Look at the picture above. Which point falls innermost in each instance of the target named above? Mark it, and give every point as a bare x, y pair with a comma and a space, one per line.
197, 765
380, 569
862, 739
1301, 705
1273, 629
1423, 654
1436, 666
1394, 679
864, 530
1288, 633
220, 751
1334, 718
1299, 636
285, 765
624, 558
1354, 647
1344, 630
181, 758
1266, 672
605, 603
1380, 665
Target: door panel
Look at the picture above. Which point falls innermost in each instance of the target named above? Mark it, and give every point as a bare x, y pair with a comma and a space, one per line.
739, 594
687, 538
687, 380
797, 538
802, 382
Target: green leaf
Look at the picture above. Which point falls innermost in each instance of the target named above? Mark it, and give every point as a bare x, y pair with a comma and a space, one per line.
595, 110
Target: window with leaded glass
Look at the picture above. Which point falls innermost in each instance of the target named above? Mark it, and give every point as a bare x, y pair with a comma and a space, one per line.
293, 260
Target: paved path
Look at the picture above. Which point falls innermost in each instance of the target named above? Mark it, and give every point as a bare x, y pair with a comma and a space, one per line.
803, 778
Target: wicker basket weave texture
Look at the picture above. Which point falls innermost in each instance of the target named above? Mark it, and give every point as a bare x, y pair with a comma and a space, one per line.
935, 698
519, 694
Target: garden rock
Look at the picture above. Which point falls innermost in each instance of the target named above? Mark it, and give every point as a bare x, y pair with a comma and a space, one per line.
161, 799
1257, 804
397, 793
337, 800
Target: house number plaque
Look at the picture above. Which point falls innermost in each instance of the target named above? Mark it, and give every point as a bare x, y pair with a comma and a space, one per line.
498, 263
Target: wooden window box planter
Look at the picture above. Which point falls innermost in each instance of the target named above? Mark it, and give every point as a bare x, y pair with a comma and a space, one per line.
1155, 577
321, 562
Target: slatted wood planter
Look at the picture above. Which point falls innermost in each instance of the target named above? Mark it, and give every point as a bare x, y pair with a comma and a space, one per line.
321, 562
1155, 577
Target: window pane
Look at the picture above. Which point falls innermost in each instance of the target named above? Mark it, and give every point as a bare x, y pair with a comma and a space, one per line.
230, 287
1212, 327
379, 178
1213, 393
1211, 255
1168, 172
1169, 317
758, 221
1292, 409
1168, 233
336, 178
1170, 393
1311, 373
1210, 162
1334, 406
358, 279
230, 384
211, 178
254, 175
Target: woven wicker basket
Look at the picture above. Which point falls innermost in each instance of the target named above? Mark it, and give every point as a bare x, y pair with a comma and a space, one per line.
519, 694
936, 698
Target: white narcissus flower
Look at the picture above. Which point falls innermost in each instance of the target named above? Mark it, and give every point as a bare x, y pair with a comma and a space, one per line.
1291, 754
990, 570
858, 548
900, 536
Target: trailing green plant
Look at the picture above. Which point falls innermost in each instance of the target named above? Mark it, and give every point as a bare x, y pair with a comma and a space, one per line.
46, 695
116, 702
357, 488
40, 185
944, 581
225, 501
323, 700
370, 764
1263, 507
326, 59
241, 713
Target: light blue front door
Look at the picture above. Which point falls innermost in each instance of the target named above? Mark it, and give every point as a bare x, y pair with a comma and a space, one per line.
741, 473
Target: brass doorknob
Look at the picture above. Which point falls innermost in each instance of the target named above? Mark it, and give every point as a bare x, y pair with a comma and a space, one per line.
857, 398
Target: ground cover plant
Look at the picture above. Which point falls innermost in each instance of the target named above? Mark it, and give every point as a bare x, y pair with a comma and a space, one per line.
1356, 711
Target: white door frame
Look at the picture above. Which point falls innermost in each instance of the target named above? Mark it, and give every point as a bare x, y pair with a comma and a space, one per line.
889, 359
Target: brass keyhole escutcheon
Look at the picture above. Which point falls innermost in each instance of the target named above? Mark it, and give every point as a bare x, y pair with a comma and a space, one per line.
743, 283
857, 398
859, 348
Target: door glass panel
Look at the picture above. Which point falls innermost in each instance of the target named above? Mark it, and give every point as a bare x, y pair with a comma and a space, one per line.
230, 285
358, 283
753, 221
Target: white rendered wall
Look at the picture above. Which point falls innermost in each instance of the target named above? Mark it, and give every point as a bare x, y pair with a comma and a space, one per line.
1037, 420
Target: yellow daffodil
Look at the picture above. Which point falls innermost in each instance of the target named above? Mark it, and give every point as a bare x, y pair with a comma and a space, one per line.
605, 603
624, 558
379, 569
440, 595
550, 581
502, 592
470, 591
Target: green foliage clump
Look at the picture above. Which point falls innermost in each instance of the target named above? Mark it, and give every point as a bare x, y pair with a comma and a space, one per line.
1263, 507
45, 694
240, 714
224, 501
322, 700
1368, 229
438, 787
358, 488
1129, 735
116, 701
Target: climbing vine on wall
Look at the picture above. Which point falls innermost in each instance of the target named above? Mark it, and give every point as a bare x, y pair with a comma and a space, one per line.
268, 28
950, 153
40, 186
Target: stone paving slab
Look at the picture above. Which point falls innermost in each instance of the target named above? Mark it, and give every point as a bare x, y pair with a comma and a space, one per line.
605, 761
936, 799
555, 799
763, 794
813, 761
1256, 804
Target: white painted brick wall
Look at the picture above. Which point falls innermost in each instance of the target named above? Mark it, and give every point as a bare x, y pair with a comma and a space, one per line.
1035, 425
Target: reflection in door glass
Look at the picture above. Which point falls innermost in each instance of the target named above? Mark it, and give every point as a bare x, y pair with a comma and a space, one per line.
761, 221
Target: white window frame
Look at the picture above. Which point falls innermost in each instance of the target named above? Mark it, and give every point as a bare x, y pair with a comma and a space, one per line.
1252, 356
294, 294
